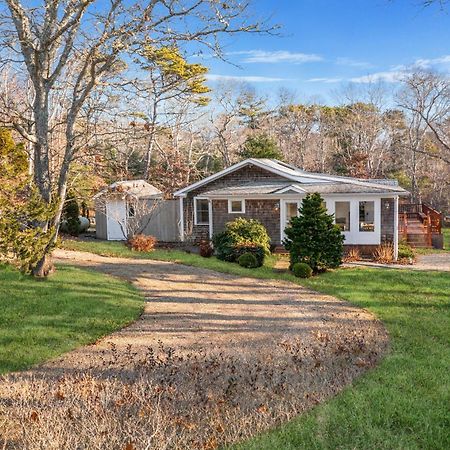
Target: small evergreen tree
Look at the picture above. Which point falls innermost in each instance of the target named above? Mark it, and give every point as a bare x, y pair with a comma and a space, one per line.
313, 238
22, 241
71, 215
260, 146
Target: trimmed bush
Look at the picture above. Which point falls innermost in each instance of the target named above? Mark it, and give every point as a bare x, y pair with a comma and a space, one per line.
256, 250
248, 231
313, 238
302, 270
142, 243
242, 236
248, 260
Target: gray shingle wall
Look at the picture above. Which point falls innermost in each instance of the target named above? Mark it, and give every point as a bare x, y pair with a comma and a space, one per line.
387, 220
266, 211
196, 233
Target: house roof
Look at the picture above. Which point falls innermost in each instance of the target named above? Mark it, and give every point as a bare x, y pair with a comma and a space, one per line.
304, 181
274, 189
134, 188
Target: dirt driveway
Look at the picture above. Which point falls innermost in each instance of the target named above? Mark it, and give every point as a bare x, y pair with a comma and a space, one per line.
213, 359
191, 308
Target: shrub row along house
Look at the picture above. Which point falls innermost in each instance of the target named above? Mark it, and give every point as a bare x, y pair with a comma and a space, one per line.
271, 191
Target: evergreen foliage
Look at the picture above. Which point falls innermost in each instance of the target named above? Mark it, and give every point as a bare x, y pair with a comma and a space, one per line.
302, 270
313, 238
23, 241
260, 146
248, 260
71, 215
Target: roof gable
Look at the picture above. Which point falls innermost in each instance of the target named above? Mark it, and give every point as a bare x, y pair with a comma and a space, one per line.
290, 173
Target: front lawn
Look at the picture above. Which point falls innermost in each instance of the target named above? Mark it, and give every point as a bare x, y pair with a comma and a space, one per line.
40, 319
401, 404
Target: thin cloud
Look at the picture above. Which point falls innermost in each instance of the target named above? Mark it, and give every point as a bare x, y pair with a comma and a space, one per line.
390, 76
275, 57
244, 78
349, 62
427, 63
324, 80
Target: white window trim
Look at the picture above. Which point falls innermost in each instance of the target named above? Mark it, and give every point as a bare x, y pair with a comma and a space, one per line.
230, 200
196, 222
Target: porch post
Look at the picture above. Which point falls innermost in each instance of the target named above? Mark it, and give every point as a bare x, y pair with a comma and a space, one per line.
210, 213
395, 228
181, 227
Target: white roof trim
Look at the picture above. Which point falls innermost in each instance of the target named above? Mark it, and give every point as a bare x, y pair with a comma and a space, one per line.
292, 187
261, 164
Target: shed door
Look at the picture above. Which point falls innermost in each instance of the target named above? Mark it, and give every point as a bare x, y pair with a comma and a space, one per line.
116, 216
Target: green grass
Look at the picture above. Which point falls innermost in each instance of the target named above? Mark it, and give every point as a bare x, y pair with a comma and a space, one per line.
40, 319
427, 251
404, 402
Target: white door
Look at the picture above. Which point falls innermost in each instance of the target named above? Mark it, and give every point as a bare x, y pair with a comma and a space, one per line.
116, 218
289, 209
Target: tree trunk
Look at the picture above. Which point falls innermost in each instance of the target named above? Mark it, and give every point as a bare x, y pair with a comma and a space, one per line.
44, 267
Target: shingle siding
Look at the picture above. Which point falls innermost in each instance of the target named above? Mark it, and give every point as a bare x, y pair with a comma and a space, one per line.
387, 220
266, 211
247, 174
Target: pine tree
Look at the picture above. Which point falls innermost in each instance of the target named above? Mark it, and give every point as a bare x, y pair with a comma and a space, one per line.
313, 238
260, 146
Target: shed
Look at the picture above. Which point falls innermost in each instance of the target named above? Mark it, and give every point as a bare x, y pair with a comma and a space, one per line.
124, 207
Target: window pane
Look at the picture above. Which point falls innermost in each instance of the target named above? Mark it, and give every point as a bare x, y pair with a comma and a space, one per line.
236, 206
291, 211
202, 211
366, 216
342, 215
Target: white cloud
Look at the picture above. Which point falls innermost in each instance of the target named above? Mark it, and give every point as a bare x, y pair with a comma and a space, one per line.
324, 80
349, 62
278, 56
244, 78
390, 76
427, 63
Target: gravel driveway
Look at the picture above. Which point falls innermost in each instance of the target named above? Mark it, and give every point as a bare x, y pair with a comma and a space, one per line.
191, 308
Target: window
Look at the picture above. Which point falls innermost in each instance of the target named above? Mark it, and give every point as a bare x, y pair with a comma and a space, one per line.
201, 211
236, 206
366, 216
342, 215
131, 211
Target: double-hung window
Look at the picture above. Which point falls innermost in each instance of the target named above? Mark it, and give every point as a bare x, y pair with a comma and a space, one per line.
236, 206
201, 211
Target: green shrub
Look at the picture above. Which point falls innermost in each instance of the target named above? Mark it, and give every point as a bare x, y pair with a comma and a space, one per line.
405, 251
302, 270
256, 250
248, 231
313, 238
242, 236
71, 215
248, 260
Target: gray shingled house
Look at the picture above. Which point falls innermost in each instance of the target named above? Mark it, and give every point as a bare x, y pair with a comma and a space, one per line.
271, 191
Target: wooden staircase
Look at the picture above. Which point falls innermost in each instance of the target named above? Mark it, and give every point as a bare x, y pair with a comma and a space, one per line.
418, 223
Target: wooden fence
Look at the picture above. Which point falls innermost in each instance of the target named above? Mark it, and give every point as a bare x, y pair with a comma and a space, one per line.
164, 223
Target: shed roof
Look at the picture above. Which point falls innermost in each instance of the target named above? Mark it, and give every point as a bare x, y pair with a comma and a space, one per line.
134, 188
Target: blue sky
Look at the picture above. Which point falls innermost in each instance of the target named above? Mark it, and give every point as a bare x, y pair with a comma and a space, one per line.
328, 43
